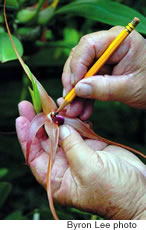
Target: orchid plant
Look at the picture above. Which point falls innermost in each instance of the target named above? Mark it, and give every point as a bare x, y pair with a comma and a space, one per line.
45, 108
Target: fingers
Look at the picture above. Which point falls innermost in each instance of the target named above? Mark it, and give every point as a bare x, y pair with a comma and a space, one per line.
26, 110
75, 108
78, 153
129, 56
78, 108
87, 110
39, 163
22, 127
27, 113
23, 124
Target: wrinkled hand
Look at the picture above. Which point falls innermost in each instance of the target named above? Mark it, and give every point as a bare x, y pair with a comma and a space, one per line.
88, 174
123, 78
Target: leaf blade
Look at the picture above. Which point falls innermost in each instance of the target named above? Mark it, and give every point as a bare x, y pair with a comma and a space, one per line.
35, 93
112, 13
7, 52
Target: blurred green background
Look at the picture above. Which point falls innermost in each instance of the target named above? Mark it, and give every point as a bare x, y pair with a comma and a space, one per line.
47, 30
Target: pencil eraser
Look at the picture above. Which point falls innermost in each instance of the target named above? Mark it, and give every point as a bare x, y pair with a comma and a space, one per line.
137, 19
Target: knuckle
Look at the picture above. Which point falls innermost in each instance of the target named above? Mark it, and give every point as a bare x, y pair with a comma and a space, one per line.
70, 146
73, 63
72, 50
103, 90
116, 28
85, 38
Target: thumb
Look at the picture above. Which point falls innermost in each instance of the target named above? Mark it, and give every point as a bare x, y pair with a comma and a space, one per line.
78, 153
104, 88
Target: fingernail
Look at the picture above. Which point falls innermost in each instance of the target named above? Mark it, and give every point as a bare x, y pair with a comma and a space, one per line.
83, 89
64, 132
64, 92
72, 79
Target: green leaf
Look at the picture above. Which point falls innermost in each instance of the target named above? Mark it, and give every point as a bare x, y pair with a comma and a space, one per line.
13, 3
5, 189
45, 15
7, 52
2, 30
36, 106
71, 36
3, 172
26, 15
112, 13
29, 33
1, 19
80, 212
35, 93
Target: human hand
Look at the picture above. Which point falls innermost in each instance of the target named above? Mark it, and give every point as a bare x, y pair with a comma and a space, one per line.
121, 79
88, 174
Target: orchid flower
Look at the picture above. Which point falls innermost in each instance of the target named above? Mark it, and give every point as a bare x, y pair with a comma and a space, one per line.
45, 107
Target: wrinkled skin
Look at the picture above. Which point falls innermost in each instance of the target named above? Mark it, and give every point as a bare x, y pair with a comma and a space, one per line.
122, 78
88, 174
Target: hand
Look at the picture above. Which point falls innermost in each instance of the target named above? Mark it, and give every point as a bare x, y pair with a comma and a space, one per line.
88, 174
121, 79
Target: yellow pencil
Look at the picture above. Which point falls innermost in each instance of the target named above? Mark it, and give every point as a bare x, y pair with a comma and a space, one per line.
101, 61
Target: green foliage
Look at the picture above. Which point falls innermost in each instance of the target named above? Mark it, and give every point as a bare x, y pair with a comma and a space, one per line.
35, 93
5, 189
113, 13
6, 50
3, 172
45, 15
16, 215
70, 40
41, 16
29, 33
25, 15
13, 3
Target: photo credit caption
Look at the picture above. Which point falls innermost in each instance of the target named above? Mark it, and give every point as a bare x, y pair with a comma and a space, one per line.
99, 225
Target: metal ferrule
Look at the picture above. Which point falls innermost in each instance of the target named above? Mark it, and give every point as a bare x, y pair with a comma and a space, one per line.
131, 25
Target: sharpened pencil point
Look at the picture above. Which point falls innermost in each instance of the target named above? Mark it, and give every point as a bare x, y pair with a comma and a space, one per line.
61, 107
55, 114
